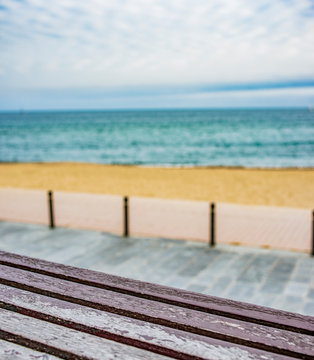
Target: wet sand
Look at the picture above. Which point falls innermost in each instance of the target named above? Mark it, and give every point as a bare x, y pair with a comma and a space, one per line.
275, 187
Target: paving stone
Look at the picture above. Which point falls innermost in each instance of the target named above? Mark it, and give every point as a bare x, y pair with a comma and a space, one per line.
180, 259
303, 268
220, 286
98, 256
9, 230
156, 259
90, 252
301, 278
262, 299
310, 293
282, 269
158, 276
198, 264
196, 288
119, 258
308, 308
240, 263
296, 288
273, 287
216, 268
258, 268
290, 303
131, 265
176, 281
102, 267
241, 291
306, 262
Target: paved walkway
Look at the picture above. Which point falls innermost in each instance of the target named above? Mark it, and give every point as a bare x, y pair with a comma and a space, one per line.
279, 279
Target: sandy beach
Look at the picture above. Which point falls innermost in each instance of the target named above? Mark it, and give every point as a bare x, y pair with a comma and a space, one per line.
275, 187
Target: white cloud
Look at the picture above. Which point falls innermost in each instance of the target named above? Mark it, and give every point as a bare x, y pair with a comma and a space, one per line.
258, 94
72, 43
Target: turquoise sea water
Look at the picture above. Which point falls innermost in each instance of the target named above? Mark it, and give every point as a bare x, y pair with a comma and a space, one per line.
249, 138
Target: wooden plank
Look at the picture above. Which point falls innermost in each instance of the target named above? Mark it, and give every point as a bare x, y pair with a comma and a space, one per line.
63, 342
200, 302
160, 339
11, 351
226, 329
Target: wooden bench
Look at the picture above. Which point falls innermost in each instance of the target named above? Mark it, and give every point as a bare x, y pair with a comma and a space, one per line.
52, 311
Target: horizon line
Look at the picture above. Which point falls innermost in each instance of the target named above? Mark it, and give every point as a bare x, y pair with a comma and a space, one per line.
23, 110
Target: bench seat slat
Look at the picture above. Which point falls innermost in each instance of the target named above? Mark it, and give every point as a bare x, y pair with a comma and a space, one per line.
11, 351
67, 343
210, 304
231, 330
161, 339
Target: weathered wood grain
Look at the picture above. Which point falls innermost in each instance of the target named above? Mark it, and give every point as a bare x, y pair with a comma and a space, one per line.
11, 351
66, 343
215, 326
160, 339
200, 302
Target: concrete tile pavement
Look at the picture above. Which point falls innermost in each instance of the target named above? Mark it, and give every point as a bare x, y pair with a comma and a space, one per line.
279, 279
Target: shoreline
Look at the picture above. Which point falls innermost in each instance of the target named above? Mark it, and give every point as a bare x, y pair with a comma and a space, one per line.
287, 187
161, 166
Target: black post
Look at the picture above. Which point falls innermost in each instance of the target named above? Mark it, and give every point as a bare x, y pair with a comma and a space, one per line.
126, 217
50, 208
212, 224
312, 233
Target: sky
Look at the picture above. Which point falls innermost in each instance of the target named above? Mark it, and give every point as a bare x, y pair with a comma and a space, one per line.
100, 54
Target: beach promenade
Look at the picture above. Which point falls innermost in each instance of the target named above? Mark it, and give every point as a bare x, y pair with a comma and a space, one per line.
278, 279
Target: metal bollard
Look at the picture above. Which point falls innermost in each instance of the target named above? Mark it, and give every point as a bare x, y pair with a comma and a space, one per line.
126, 216
50, 210
212, 224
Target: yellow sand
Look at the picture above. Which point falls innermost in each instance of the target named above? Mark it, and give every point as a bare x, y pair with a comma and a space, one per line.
284, 187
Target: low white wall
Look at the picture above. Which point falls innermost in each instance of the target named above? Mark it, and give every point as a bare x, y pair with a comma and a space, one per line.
281, 228
24, 205
274, 227
89, 211
169, 218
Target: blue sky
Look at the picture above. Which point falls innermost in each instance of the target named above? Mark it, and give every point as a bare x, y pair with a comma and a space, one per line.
78, 54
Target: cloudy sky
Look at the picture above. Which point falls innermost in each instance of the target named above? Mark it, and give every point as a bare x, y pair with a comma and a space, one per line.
95, 54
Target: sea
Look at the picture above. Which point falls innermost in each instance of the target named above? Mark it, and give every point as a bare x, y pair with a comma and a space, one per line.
263, 138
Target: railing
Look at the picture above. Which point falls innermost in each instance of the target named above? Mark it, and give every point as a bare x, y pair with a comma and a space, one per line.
273, 227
